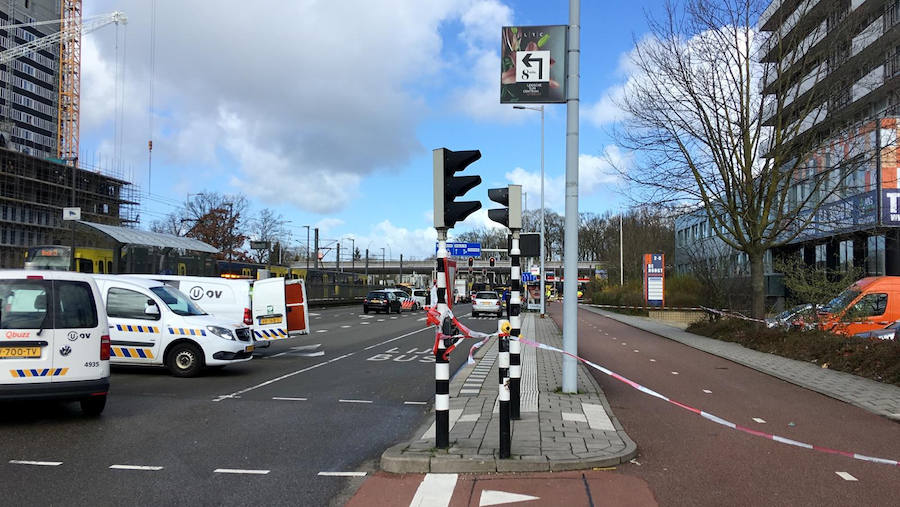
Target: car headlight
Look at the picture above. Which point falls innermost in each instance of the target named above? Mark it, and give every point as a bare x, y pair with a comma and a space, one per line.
221, 332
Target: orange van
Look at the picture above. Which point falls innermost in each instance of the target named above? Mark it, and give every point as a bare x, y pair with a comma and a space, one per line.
870, 303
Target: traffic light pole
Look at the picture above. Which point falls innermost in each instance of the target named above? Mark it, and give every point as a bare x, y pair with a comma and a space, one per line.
515, 308
441, 364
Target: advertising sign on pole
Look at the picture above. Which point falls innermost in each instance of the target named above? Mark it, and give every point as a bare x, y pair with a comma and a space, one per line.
654, 279
533, 65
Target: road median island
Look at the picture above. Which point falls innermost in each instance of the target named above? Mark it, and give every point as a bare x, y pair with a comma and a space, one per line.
556, 431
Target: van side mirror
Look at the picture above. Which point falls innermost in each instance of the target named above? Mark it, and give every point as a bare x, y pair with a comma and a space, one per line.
151, 308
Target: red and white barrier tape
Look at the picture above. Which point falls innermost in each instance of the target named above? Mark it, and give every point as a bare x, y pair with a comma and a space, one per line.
708, 416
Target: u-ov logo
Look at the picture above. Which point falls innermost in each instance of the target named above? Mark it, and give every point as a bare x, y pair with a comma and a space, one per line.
196, 293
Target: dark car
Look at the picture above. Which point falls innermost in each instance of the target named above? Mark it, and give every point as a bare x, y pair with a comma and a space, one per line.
381, 301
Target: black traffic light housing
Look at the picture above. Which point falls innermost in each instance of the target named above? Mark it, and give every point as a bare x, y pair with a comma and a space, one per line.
447, 187
492, 261
511, 198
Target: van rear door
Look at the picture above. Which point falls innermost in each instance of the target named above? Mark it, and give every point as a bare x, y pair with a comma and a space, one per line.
269, 310
297, 307
26, 321
79, 329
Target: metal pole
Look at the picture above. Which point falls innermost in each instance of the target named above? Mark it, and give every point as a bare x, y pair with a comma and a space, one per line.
337, 257
401, 269
542, 275
621, 254
307, 251
570, 246
367, 267
441, 363
316, 230
503, 396
353, 255
515, 324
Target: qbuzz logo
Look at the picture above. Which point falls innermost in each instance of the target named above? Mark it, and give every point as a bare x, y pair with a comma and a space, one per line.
65, 351
197, 293
73, 336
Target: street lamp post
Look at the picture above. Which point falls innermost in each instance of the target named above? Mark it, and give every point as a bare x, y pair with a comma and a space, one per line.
543, 275
307, 251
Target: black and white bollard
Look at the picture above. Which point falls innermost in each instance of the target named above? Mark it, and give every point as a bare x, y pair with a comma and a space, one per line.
503, 397
441, 365
515, 324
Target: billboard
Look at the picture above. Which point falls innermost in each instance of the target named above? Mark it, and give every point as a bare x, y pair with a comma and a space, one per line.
654, 279
533, 64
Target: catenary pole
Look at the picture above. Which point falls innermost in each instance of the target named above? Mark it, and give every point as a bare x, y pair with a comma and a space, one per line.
570, 246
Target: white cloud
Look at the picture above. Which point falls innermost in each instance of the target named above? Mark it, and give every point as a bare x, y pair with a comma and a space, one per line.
327, 224
606, 110
412, 243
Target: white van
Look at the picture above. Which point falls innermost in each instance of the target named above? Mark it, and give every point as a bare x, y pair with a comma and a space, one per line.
273, 308
152, 323
54, 340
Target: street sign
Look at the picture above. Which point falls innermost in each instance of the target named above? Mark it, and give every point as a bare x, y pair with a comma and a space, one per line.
528, 277
462, 249
71, 213
654, 279
533, 64
259, 245
535, 270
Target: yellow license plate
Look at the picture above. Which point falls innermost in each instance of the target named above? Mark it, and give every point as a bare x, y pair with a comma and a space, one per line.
270, 320
249, 348
20, 352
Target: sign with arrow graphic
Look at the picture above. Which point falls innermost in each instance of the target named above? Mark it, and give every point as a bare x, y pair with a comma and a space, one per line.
533, 64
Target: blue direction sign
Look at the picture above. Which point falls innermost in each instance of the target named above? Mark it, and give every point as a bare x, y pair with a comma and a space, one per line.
528, 277
462, 249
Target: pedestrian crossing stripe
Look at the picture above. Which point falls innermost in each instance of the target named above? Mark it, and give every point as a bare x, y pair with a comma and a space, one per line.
270, 334
187, 331
137, 329
131, 352
58, 372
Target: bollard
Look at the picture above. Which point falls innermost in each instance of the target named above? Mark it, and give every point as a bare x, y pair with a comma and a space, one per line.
503, 360
441, 365
515, 308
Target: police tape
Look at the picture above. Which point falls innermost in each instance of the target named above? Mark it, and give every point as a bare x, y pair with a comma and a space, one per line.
707, 415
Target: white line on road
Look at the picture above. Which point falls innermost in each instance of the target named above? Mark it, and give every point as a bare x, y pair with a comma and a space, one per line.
636, 350
653, 360
421, 319
674, 373
380, 320
342, 474
355, 401
287, 399
322, 331
760, 421
415, 402
240, 471
434, 490
346, 327
365, 323
707, 391
314, 314
136, 467
846, 476
37, 463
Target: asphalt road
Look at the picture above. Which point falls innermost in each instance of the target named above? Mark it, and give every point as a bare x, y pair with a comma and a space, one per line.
687, 460
258, 433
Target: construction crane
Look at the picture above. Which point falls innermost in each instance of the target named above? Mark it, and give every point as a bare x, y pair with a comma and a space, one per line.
72, 28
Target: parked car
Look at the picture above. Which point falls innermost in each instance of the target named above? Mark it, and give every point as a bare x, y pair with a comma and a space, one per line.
797, 317
887, 333
381, 301
487, 302
407, 302
56, 338
867, 305
421, 297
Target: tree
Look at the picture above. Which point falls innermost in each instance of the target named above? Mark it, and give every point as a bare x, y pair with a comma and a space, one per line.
218, 220
715, 128
268, 226
170, 224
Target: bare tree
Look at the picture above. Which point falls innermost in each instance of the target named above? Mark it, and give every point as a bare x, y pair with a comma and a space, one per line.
268, 226
717, 123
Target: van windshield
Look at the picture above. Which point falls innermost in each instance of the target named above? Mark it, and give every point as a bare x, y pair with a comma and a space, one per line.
177, 301
841, 301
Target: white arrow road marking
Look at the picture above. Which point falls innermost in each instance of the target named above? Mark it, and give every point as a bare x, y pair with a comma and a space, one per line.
342, 474
136, 467
36, 463
434, 490
846, 476
492, 497
240, 471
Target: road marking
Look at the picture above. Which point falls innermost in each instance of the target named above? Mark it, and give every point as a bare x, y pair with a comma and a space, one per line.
240, 471
345, 327
760, 421
415, 402
314, 314
36, 463
355, 401
393, 318
365, 323
597, 417
674, 373
846, 476
287, 399
707, 391
653, 360
434, 490
136, 467
322, 331
342, 474
380, 320
493, 497
422, 319
636, 350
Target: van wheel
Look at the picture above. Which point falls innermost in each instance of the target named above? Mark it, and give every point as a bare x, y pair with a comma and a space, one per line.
94, 405
185, 360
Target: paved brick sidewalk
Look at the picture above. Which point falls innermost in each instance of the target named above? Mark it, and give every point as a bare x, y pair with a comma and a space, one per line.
877, 397
556, 431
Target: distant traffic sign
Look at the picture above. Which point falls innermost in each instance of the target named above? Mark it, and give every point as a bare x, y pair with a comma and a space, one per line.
462, 249
71, 213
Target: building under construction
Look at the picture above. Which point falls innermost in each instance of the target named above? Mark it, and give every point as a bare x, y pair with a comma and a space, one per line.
33, 193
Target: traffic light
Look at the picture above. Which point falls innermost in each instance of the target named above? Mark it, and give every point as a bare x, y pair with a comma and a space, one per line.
471, 262
511, 198
492, 261
448, 187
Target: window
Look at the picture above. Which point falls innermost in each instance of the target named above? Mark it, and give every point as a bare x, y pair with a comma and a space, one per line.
23, 304
845, 251
870, 305
76, 305
821, 256
127, 304
177, 301
875, 255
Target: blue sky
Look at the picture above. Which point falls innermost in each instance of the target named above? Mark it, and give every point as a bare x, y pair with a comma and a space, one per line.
327, 112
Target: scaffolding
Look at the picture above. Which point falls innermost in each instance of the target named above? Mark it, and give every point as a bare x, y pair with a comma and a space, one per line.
34, 191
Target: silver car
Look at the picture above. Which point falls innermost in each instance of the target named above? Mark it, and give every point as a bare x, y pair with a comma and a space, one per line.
487, 302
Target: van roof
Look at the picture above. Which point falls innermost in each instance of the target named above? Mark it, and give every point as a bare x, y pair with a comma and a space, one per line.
147, 283
45, 273
873, 282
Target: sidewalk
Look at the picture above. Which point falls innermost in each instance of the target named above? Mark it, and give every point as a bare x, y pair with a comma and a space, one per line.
882, 399
556, 431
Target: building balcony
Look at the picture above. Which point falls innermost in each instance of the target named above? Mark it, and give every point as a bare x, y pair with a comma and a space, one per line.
866, 37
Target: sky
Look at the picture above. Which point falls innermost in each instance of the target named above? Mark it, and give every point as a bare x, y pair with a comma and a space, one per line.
327, 112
